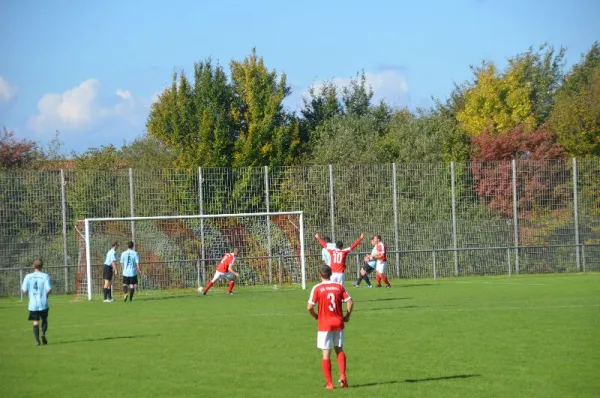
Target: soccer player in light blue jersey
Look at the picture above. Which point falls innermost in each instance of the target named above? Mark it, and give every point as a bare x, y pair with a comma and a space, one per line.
325, 256
131, 267
37, 286
110, 268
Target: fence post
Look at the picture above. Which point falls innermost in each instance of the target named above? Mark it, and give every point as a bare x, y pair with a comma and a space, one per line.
515, 214
332, 209
396, 233
21, 282
279, 271
268, 224
201, 208
508, 259
454, 237
583, 257
131, 206
434, 264
198, 270
358, 265
576, 216
63, 197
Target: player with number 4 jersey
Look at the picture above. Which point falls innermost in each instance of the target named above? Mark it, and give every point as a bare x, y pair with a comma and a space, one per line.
329, 296
338, 257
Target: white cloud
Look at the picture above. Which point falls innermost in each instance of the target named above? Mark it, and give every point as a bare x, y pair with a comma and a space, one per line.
7, 91
83, 107
388, 85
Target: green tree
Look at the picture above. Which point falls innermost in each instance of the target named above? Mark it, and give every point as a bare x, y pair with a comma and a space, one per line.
576, 115
321, 105
195, 119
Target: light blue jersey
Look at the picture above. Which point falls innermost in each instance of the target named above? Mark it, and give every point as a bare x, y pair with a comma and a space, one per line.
110, 257
37, 285
325, 256
130, 261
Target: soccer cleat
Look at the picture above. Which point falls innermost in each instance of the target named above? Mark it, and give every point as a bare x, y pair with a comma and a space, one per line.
329, 386
378, 285
106, 300
37, 344
231, 294
110, 300
355, 284
125, 298
388, 287
369, 286
44, 340
343, 383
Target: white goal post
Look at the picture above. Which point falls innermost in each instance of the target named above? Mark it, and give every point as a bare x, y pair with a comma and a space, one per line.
192, 236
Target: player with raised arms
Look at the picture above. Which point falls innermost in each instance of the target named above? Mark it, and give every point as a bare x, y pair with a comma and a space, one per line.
328, 296
131, 266
37, 285
338, 257
225, 271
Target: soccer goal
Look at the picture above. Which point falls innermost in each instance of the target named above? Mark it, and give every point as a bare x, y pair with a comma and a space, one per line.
180, 253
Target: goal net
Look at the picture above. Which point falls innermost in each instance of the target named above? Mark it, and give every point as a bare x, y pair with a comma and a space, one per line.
181, 253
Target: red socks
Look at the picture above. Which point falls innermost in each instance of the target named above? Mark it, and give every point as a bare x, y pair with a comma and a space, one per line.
326, 365
378, 279
385, 279
341, 359
231, 285
208, 286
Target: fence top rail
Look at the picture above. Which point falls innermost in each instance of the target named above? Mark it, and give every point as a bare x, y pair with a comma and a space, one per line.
196, 216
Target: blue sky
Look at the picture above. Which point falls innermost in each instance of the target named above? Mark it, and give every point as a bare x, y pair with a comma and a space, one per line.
91, 68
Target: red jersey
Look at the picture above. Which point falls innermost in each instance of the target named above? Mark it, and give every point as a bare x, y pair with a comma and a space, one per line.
329, 297
381, 249
226, 261
338, 256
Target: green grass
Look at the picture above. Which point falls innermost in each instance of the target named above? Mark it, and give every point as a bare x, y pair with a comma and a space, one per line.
530, 336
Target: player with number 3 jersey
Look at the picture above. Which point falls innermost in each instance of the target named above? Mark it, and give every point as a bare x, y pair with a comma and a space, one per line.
329, 296
338, 257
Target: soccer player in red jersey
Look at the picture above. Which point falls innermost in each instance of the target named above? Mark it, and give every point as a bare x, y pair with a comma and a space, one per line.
329, 296
338, 257
225, 271
379, 255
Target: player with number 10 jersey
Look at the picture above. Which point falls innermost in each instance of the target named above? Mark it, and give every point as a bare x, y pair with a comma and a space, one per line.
338, 257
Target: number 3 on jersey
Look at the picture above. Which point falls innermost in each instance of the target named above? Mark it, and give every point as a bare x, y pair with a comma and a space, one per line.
331, 299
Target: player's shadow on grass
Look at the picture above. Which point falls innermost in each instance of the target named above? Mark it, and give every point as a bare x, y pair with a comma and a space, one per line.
106, 339
379, 383
388, 308
418, 285
388, 299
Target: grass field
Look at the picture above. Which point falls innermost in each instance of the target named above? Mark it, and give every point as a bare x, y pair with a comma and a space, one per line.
530, 336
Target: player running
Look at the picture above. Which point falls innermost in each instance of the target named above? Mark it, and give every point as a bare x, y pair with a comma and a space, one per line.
338, 257
378, 261
225, 271
329, 297
325, 256
131, 267
38, 286
110, 268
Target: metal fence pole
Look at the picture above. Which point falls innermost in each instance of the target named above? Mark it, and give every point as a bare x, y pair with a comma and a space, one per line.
454, 237
358, 265
21, 282
396, 233
508, 260
434, 264
332, 209
515, 214
583, 257
268, 224
280, 270
63, 198
201, 208
576, 216
131, 206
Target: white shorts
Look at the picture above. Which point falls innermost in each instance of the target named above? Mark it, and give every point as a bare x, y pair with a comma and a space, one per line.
326, 339
338, 277
222, 275
380, 267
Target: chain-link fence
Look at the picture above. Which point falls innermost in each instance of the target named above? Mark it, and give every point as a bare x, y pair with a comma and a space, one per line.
450, 219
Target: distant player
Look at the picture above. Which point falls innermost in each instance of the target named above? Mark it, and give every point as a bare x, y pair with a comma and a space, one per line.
377, 260
325, 253
38, 286
110, 268
131, 268
329, 297
225, 271
338, 257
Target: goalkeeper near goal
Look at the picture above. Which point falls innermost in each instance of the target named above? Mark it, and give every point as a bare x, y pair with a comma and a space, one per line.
225, 271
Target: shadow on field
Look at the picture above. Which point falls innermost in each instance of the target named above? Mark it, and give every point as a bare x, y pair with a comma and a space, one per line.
440, 378
152, 298
387, 308
388, 299
418, 285
105, 339
380, 383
